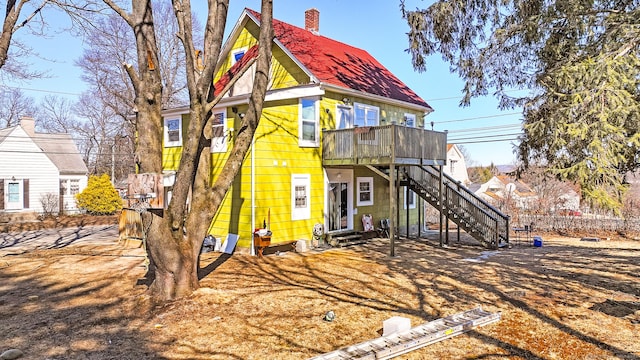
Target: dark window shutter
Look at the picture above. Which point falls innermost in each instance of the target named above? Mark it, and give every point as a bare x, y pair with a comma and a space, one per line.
1, 194
25, 195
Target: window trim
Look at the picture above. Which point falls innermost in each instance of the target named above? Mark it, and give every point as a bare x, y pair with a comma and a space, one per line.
316, 122
369, 180
175, 143
303, 213
67, 185
367, 108
340, 109
242, 50
411, 116
413, 197
366, 138
221, 147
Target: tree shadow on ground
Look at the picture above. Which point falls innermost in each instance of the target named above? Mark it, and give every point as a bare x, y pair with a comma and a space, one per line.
49, 313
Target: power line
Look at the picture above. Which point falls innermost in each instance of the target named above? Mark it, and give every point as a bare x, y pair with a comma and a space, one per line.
487, 128
41, 90
483, 141
484, 136
460, 96
475, 118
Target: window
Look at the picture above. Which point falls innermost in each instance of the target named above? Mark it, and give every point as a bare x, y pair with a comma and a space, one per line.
74, 186
300, 197
453, 166
409, 196
13, 193
365, 116
218, 134
308, 127
172, 132
409, 120
365, 191
69, 186
236, 55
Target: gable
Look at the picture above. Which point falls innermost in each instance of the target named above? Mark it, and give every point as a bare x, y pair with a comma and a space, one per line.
302, 57
453, 152
284, 71
15, 140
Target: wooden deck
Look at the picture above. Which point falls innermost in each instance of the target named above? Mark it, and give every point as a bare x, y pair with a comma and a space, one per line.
384, 145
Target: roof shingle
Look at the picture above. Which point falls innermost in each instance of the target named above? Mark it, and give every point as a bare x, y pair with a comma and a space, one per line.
338, 64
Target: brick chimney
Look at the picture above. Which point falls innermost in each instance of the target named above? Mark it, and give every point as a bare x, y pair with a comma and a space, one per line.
312, 20
28, 124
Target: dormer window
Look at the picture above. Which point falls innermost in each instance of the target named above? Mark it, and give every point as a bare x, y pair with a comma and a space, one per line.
236, 55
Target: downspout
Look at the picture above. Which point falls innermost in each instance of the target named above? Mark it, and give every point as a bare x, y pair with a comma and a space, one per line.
253, 194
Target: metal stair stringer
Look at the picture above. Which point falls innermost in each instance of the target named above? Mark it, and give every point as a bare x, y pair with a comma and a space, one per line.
478, 218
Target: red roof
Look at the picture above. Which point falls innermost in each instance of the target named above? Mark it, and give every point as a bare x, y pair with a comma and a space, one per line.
227, 76
342, 65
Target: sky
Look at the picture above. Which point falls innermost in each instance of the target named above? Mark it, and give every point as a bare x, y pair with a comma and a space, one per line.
487, 133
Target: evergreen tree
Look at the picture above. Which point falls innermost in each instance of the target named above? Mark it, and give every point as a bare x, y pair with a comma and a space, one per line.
99, 197
578, 58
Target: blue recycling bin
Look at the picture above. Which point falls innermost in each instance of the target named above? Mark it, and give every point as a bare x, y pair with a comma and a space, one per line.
537, 241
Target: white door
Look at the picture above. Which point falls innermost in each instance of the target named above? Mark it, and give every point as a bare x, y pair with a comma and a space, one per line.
345, 117
13, 195
338, 208
339, 203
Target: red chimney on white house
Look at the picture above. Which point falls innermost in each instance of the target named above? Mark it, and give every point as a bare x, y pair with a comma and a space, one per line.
312, 20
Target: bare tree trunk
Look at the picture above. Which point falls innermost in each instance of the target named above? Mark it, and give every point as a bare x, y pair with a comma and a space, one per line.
165, 244
175, 236
176, 271
207, 200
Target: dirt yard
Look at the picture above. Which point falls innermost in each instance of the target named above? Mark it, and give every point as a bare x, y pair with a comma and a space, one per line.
569, 299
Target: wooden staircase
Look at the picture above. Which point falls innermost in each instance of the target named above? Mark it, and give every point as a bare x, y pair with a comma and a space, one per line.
478, 218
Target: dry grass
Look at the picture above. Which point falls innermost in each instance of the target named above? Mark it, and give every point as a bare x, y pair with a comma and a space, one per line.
31, 222
569, 299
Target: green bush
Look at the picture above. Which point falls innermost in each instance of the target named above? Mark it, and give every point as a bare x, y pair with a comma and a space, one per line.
99, 197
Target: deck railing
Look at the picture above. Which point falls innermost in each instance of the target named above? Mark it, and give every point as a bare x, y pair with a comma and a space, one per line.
383, 145
476, 216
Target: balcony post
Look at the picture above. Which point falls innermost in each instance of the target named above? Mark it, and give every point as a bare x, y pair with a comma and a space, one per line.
440, 202
392, 210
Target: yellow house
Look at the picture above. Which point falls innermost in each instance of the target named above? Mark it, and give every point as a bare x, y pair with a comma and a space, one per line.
337, 130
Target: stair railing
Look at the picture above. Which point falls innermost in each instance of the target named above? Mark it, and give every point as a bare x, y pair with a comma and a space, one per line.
476, 216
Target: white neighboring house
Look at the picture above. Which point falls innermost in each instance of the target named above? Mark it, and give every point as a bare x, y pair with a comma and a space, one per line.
502, 189
456, 166
39, 169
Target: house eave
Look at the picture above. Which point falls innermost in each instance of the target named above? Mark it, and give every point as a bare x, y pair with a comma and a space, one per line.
310, 90
345, 91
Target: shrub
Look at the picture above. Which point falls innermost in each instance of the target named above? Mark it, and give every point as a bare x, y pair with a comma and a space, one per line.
99, 197
50, 203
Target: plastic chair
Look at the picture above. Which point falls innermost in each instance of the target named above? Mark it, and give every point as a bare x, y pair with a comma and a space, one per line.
384, 228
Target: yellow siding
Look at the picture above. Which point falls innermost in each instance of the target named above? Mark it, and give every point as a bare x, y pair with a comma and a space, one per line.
285, 72
277, 157
171, 156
